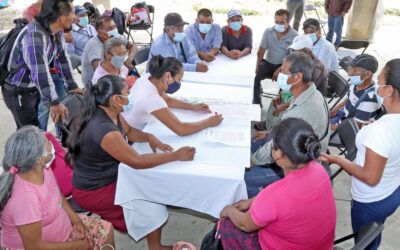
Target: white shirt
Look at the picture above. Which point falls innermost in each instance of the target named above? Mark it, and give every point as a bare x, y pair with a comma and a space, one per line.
100, 72
326, 53
382, 137
146, 99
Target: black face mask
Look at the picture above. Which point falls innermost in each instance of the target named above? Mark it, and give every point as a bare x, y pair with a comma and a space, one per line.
173, 87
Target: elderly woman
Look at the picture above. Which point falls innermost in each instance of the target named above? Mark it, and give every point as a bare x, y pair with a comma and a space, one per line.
115, 54
34, 213
296, 212
375, 182
99, 143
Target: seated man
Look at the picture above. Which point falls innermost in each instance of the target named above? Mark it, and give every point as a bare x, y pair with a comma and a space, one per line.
361, 102
174, 43
275, 42
237, 39
307, 103
94, 50
322, 49
205, 35
80, 34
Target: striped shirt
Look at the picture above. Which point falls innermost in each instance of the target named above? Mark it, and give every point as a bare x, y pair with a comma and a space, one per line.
212, 39
368, 106
40, 51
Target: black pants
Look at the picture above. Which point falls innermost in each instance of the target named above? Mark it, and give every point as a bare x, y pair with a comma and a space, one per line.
265, 70
23, 104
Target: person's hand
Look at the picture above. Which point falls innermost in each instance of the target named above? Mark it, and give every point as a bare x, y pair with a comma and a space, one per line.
80, 231
58, 112
276, 73
78, 91
243, 205
201, 107
234, 54
333, 113
225, 212
201, 67
157, 144
185, 154
328, 158
276, 101
261, 135
181, 245
278, 109
207, 57
215, 120
68, 37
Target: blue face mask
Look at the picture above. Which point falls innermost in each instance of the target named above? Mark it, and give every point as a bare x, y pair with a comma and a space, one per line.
118, 61
173, 87
204, 27
313, 37
378, 97
128, 106
113, 33
84, 21
279, 27
282, 82
235, 26
355, 80
179, 36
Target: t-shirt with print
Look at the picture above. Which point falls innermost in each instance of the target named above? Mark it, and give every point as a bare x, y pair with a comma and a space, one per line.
100, 72
368, 108
146, 99
30, 203
382, 137
297, 212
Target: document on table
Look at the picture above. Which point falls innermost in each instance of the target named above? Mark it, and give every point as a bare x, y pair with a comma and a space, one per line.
250, 112
231, 137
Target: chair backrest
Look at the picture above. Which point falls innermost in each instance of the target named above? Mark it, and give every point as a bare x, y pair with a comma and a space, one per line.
337, 87
347, 131
367, 234
73, 102
353, 44
142, 55
309, 7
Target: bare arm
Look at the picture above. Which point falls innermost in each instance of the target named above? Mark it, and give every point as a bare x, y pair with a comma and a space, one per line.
260, 56
95, 64
214, 51
245, 52
175, 103
241, 220
225, 51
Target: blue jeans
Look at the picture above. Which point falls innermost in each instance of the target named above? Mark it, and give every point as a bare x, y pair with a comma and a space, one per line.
378, 211
335, 25
44, 106
258, 177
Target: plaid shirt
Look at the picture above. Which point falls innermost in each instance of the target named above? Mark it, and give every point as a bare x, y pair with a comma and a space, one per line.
36, 49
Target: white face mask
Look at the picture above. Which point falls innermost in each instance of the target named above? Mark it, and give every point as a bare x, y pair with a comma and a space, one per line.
53, 156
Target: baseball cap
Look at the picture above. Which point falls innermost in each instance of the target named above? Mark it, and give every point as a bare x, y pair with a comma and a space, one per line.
301, 42
174, 19
366, 62
79, 10
233, 13
311, 22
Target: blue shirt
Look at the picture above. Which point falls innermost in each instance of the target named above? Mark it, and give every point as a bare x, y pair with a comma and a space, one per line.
212, 39
81, 37
326, 53
165, 47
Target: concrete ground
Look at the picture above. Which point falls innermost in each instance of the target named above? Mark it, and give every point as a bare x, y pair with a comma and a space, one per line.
189, 226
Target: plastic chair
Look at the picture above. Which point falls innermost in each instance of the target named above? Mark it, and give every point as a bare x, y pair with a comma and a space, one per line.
365, 236
147, 27
337, 88
310, 8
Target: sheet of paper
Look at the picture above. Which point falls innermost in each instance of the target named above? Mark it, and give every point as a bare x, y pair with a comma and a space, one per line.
238, 111
231, 137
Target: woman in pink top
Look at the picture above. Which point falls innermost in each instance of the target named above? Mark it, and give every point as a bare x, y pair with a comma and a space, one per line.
297, 212
34, 213
115, 54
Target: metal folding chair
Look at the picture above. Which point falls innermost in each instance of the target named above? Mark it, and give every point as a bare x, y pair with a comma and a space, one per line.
147, 27
365, 236
337, 88
310, 8
353, 45
74, 104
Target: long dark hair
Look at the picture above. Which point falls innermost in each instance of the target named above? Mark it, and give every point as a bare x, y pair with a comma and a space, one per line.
392, 73
51, 10
98, 94
297, 140
159, 65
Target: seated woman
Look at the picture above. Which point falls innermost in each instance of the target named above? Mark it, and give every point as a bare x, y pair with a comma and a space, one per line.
34, 213
98, 144
115, 54
375, 182
150, 102
296, 212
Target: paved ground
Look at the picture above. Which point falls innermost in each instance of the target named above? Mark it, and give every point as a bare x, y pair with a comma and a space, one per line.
192, 228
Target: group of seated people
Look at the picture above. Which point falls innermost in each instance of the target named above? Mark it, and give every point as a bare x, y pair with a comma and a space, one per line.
291, 201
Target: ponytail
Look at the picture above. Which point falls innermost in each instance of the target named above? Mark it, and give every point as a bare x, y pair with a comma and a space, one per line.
159, 65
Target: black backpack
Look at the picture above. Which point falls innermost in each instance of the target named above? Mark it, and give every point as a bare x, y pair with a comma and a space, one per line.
119, 19
6, 45
92, 10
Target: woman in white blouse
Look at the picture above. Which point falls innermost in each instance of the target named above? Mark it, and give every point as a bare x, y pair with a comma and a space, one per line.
375, 184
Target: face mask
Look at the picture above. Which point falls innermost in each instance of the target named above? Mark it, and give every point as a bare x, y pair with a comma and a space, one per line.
84, 21
113, 33
173, 87
378, 97
118, 61
53, 156
179, 36
282, 82
128, 106
355, 80
204, 28
279, 28
313, 37
235, 26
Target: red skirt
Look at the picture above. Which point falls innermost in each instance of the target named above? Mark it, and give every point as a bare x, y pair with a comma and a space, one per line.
101, 201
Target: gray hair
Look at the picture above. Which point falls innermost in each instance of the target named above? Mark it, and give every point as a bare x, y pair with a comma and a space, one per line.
300, 63
23, 150
113, 43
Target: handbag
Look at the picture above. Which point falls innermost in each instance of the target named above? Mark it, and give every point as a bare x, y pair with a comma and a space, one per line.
212, 240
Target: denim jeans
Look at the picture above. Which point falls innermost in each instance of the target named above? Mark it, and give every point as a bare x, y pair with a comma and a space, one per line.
258, 177
335, 25
44, 106
378, 211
